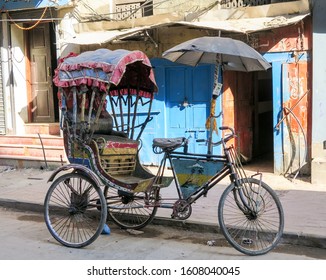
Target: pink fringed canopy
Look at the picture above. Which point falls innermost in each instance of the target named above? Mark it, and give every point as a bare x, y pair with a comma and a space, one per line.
113, 72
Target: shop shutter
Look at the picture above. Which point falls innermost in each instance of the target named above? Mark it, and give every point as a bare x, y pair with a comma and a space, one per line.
2, 107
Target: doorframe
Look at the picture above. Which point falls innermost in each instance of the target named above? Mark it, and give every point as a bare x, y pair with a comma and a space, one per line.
28, 73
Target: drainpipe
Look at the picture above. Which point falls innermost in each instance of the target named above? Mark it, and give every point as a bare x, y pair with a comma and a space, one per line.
11, 90
7, 68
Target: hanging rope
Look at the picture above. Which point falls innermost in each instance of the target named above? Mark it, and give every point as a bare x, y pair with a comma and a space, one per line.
209, 120
30, 27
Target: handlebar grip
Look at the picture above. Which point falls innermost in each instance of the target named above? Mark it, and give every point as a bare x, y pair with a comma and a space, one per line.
227, 128
185, 145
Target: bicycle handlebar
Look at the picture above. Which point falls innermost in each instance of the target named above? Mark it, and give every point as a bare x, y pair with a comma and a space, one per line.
225, 139
227, 128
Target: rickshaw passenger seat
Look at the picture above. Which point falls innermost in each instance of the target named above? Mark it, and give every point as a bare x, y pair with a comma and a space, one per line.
105, 127
118, 155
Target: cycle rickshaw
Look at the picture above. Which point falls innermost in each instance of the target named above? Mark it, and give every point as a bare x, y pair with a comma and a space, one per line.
100, 94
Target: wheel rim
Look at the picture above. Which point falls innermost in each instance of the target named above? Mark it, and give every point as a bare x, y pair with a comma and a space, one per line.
73, 211
255, 231
129, 210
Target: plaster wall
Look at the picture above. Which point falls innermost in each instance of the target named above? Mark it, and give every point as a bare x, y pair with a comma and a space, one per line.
318, 172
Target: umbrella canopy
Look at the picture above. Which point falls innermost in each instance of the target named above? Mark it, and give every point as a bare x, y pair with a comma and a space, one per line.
231, 54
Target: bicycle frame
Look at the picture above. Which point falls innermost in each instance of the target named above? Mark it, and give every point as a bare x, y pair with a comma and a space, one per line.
229, 164
203, 189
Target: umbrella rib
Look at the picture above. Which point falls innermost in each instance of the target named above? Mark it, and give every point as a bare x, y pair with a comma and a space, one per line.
184, 52
243, 65
202, 54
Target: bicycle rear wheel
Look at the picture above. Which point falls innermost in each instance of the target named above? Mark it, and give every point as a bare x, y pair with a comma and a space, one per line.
254, 224
75, 210
130, 210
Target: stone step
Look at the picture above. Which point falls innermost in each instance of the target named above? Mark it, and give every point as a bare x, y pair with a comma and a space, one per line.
42, 128
32, 139
32, 150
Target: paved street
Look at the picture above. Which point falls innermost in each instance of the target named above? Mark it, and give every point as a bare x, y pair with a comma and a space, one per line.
303, 203
25, 236
158, 248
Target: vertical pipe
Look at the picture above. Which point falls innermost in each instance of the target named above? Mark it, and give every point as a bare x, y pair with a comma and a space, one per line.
7, 72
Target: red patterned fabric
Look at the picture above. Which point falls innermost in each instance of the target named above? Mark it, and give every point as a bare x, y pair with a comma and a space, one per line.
115, 72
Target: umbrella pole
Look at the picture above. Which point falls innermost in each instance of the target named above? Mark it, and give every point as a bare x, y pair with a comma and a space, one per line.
211, 121
210, 137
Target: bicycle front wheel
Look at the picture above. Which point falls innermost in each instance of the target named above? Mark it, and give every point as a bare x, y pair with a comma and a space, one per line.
75, 210
130, 210
251, 217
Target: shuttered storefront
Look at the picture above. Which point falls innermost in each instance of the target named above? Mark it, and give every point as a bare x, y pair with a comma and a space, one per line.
2, 105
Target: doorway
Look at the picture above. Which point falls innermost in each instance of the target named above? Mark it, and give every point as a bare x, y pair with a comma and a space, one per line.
41, 53
263, 145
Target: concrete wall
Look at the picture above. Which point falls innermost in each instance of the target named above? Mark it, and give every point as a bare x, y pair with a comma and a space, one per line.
161, 7
318, 170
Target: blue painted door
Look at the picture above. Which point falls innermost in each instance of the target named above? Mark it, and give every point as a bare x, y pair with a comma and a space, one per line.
188, 96
180, 85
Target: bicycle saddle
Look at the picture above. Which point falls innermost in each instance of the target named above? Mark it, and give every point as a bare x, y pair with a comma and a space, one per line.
168, 143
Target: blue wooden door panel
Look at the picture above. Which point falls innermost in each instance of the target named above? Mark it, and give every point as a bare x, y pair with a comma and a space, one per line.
177, 82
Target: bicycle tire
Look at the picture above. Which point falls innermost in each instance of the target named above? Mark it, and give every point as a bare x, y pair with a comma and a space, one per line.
130, 210
75, 210
252, 233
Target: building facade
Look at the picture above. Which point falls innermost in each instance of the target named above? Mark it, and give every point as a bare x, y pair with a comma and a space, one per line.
274, 112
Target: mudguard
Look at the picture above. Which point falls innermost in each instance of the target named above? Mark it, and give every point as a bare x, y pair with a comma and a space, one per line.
77, 168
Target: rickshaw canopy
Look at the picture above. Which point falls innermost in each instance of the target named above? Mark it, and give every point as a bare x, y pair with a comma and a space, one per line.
113, 72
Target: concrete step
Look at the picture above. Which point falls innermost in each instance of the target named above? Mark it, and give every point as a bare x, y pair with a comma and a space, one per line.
32, 139
32, 151
42, 128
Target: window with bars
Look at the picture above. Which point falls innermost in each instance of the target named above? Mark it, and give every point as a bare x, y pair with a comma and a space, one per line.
226, 4
128, 9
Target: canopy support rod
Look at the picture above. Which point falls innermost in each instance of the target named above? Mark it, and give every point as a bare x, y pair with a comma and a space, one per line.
99, 109
121, 110
129, 105
94, 91
74, 110
135, 114
113, 112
